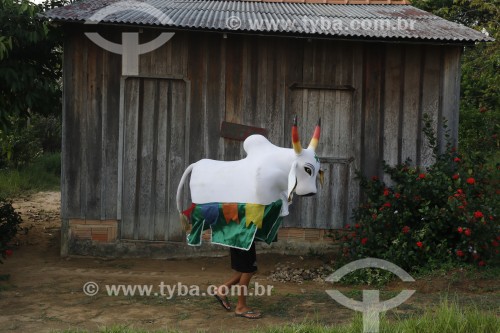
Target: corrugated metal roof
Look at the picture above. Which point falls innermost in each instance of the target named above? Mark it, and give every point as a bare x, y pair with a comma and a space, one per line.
327, 20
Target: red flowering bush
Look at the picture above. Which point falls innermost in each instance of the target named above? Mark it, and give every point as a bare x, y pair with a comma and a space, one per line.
426, 217
9, 226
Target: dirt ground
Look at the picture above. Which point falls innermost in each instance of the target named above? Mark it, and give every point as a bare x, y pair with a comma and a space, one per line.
44, 292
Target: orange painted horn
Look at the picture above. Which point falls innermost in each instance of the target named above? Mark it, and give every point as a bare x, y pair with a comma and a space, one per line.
315, 139
295, 137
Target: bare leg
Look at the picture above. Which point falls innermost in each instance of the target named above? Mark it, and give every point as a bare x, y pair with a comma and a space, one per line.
242, 307
224, 289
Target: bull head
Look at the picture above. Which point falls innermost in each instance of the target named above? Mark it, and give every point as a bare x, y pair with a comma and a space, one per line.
306, 168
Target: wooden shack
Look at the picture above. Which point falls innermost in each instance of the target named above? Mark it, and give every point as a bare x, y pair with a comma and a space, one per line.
128, 138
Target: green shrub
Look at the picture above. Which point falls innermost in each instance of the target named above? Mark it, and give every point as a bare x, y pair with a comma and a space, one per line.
19, 146
9, 226
479, 131
47, 129
445, 213
25, 141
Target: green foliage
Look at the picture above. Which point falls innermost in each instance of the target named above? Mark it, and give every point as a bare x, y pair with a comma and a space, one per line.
48, 130
479, 132
9, 226
428, 217
480, 85
368, 276
30, 60
42, 175
19, 148
29, 139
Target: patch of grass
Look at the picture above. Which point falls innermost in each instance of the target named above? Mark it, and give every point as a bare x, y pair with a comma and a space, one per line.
457, 272
43, 174
446, 318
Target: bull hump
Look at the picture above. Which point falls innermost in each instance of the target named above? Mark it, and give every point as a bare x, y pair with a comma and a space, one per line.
255, 144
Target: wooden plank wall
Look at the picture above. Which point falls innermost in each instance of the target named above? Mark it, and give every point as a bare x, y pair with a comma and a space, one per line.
90, 131
371, 96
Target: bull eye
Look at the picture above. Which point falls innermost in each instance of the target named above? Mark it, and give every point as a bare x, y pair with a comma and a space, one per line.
308, 170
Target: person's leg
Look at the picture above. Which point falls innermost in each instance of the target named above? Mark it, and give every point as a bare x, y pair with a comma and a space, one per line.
244, 263
224, 289
248, 263
241, 306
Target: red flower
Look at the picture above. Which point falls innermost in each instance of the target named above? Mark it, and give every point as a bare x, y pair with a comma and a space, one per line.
386, 192
347, 227
460, 230
460, 253
364, 241
478, 215
397, 195
494, 243
461, 207
467, 232
456, 159
455, 176
406, 229
8, 252
374, 216
387, 204
421, 176
357, 226
482, 263
420, 244
471, 181
460, 191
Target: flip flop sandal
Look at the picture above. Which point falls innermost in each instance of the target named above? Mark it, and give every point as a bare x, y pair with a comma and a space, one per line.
249, 314
225, 303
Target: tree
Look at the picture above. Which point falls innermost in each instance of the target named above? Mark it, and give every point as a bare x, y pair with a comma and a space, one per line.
30, 60
480, 85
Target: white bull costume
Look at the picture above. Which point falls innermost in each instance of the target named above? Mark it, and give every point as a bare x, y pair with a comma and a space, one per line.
246, 199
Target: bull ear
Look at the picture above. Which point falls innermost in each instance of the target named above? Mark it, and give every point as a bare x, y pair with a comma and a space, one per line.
321, 175
292, 181
315, 138
297, 147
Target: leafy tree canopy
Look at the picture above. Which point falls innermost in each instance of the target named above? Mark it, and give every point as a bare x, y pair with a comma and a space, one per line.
30, 60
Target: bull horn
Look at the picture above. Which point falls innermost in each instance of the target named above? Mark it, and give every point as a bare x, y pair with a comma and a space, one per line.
315, 138
295, 137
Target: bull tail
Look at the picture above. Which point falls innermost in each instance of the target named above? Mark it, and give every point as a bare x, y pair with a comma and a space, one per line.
184, 220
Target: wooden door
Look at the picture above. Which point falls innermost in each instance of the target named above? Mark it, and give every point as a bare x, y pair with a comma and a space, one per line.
330, 207
153, 157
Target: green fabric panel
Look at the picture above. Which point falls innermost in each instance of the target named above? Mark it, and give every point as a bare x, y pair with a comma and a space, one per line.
271, 224
235, 234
